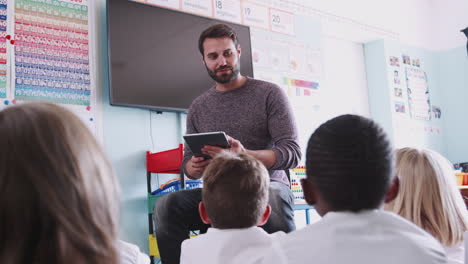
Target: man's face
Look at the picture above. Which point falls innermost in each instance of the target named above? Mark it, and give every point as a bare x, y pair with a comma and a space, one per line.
221, 58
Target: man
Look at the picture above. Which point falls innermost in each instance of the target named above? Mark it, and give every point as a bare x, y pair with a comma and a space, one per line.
349, 167
257, 117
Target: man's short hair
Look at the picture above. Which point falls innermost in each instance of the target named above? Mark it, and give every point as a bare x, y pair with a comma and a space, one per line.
217, 31
350, 161
235, 190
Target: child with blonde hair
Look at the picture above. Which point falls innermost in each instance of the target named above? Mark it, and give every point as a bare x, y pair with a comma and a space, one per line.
430, 198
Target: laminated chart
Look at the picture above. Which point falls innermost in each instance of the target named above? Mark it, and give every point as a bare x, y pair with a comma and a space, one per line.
3, 43
418, 94
52, 51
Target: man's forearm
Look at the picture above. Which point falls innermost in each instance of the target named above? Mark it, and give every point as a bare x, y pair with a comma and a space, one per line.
267, 156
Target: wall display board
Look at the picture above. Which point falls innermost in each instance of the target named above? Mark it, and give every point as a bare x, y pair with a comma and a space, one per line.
413, 115
45, 54
411, 88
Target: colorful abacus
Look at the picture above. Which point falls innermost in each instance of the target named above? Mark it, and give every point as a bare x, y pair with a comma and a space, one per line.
296, 175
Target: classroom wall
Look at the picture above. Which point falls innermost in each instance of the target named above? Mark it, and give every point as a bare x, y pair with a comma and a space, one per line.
408, 19
433, 25
377, 83
453, 78
450, 17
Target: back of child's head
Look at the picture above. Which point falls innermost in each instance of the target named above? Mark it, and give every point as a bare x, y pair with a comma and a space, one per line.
429, 196
349, 159
58, 195
235, 190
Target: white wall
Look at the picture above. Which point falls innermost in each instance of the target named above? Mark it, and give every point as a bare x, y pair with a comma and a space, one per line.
451, 17
430, 24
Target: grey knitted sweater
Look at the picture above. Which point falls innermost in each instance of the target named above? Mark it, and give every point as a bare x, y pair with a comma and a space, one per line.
257, 114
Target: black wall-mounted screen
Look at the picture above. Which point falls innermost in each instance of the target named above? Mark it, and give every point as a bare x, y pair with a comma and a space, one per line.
154, 60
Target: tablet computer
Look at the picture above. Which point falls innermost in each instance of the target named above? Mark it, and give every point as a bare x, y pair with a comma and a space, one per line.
197, 141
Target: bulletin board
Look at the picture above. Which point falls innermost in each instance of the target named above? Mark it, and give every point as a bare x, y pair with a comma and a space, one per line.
417, 118
46, 54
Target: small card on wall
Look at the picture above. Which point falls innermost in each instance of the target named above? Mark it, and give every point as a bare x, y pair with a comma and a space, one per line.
201, 7
164, 3
228, 10
282, 22
255, 15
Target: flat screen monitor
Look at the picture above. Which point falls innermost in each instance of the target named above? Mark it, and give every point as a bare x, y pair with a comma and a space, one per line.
154, 61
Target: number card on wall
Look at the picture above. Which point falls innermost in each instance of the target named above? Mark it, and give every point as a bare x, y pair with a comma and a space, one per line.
228, 10
282, 22
255, 15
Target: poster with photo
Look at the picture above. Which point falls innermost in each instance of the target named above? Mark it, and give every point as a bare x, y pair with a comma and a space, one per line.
394, 61
396, 77
398, 92
436, 112
400, 107
406, 59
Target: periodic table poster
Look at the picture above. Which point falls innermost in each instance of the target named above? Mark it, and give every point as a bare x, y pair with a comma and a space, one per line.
45, 54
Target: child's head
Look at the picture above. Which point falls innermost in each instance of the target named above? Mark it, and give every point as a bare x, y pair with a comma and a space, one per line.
58, 196
429, 196
235, 192
349, 165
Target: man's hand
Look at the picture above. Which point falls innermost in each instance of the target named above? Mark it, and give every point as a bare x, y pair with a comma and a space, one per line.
196, 165
236, 147
266, 156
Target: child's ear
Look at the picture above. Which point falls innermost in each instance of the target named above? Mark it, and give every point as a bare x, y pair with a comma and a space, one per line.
393, 190
203, 214
310, 194
265, 216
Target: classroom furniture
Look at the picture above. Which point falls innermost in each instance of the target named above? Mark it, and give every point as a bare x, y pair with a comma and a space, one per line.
305, 207
167, 162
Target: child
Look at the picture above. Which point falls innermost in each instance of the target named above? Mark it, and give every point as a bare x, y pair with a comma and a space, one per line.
349, 167
59, 199
234, 202
430, 198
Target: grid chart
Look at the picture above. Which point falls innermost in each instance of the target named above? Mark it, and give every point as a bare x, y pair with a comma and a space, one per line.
296, 175
3, 43
52, 52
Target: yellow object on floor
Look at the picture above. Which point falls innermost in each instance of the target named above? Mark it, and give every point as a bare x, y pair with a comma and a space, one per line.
153, 246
